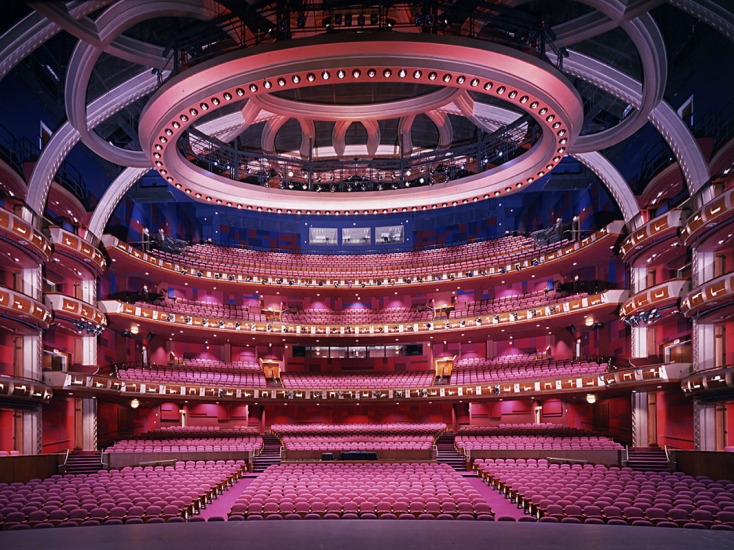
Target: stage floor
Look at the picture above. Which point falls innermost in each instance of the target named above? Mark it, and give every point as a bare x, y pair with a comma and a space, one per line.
365, 535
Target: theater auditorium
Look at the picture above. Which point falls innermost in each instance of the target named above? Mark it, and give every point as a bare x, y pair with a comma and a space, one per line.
419, 273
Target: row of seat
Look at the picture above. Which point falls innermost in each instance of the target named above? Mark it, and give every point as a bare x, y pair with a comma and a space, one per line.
611, 495
408, 379
396, 428
357, 316
509, 442
345, 490
400, 266
188, 444
131, 495
510, 303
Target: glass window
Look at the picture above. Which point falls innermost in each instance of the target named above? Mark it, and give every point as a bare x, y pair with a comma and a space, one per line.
389, 234
328, 236
356, 236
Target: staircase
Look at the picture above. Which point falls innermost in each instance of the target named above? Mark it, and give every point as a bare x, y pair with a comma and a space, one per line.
447, 452
270, 454
647, 459
84, 462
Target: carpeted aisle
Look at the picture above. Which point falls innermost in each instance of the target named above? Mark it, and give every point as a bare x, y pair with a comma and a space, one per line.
221, 506
499, 504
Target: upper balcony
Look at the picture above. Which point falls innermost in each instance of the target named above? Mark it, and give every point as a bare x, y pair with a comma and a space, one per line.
82, 259
23, 392
654, 238
504, 258
24, 239
714, 215
76, 312
650, 304
575, 310
24, 309
711, 301
716, 381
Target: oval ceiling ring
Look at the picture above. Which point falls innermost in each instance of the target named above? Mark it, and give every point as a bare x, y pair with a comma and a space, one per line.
526, 82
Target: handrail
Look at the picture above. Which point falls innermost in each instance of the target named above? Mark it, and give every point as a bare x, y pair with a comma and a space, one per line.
626, 454
66, 458
434, 452
149, 462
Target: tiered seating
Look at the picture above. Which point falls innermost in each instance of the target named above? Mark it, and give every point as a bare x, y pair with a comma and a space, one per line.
408, 379
361, 316
201, 372
215, 365
510, 303
544, 429
513, 367
512, 442
187, 444
205, 309
431, 428
366, 491
600, 494
191, 438
358, 437
131, 495
424, 263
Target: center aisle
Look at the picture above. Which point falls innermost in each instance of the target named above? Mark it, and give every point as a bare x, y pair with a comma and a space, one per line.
499, 504
222, 505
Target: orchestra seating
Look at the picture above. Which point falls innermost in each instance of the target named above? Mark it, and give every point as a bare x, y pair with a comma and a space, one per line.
130, 495
408, 379
519, 367
357, 316
600, 494
361, 490
201, 372
423, 263
510, 303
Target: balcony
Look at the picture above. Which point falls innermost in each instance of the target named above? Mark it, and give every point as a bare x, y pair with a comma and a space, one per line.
651, 301
24, 309
23, 391
70, 246
713, 215
26, 237
710, 300
233, 268
649, 238
573, 310
76, 311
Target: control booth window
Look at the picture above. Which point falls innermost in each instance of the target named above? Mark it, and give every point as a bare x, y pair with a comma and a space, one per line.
356, 236
389, 234
328, 236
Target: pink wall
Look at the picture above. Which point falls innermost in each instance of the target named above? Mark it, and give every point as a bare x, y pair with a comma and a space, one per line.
675, 420
58, 426
521, 411
357, 414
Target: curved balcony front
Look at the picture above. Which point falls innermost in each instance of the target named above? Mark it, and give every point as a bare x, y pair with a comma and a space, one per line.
710, 301
72, 249
24, 309
596, 307
27, 239
650, 303
343, 273
77, 312
710, 382
23, 391
653, 238
83, 384
715, 214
